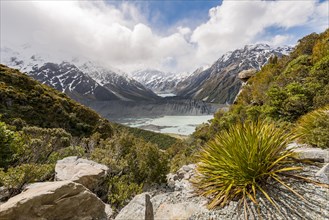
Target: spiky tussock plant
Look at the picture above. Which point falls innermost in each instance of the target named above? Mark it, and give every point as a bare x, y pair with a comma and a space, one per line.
239, 162
313, 128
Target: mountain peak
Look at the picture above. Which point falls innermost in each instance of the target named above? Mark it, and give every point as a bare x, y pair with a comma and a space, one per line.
80, 78
220, 83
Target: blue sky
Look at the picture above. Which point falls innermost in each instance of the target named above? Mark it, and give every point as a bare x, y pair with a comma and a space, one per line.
163, 15
172, 35
183, 12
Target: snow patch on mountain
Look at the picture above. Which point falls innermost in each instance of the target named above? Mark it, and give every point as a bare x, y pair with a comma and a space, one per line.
76, 76
158, 81
219, 83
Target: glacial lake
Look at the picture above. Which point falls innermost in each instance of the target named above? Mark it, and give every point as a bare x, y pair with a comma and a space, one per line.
183, 125
164, 95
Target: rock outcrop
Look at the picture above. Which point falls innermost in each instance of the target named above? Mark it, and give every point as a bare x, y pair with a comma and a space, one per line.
54, 200
83, 171
246, 74
178, 201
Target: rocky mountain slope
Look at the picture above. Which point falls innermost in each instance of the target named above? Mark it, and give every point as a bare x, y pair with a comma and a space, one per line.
158, 81
220, 83
25, 101
79, 79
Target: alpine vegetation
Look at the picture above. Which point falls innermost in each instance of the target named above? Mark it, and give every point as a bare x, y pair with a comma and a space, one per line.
314, 128
240, 162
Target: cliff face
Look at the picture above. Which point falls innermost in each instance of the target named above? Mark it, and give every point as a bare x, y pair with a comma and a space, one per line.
119, 109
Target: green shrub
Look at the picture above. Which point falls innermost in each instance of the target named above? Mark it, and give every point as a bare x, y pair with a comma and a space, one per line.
66, 152
239, 162
313, 128
9, 143
16, 177
122, 190
134, 165
40, 143
184, 152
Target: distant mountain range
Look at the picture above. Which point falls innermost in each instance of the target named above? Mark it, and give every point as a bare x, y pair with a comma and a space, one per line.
87, 81
220, 83
158, 81
79, 79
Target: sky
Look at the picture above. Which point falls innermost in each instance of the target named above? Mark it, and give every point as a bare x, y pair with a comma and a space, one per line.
169, 35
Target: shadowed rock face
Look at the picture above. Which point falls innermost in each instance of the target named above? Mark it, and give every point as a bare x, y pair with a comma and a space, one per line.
54, 200
148, 208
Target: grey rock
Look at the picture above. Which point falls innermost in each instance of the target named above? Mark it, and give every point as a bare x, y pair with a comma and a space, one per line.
54, 200
180, 180
247, 74
108, 211
83, 171
166, 206
188, 168
135, 210
182, 203
314, 154
323, 174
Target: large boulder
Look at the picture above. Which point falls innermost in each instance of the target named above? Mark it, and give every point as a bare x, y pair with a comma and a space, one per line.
83, 171
54, 200
166, 206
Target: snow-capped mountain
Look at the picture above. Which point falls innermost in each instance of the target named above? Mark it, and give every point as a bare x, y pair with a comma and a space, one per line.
79, 79
219, 83
158, 81
121, 84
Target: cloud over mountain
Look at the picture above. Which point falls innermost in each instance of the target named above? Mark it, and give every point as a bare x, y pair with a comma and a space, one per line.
121, 35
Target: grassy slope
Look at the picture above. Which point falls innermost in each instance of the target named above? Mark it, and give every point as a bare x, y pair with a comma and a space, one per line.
283, 90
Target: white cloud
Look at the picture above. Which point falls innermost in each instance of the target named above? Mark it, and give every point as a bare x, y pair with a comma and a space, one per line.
236, 23
122, 37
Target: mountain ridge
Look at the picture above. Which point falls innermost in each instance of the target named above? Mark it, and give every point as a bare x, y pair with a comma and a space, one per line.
158, 81
79, 79
220, 83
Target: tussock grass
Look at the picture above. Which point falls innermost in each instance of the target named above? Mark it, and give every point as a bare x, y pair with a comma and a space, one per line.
240, 161
313, 128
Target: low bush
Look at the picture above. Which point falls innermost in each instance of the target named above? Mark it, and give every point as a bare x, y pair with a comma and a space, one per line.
313, 128
16, 177
134, 165
239, 162
9, 143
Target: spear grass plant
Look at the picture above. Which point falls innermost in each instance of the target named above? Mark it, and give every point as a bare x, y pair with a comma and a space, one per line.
240, 161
